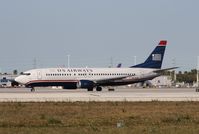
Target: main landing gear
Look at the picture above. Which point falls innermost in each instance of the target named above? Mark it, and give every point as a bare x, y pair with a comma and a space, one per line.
97, 89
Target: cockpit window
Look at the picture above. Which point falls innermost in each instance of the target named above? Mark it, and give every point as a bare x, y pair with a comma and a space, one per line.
25, 73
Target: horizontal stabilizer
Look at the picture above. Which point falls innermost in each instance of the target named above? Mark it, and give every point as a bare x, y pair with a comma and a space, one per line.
166, 69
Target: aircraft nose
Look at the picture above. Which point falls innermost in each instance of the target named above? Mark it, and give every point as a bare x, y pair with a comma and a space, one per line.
20, 80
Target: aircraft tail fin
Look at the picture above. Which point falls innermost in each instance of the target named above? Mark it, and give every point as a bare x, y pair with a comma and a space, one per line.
156, 57
119, 65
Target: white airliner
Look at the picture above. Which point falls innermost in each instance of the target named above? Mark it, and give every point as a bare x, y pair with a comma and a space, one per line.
90, 78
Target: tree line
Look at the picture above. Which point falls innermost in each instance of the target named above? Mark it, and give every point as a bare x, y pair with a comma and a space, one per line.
186, 76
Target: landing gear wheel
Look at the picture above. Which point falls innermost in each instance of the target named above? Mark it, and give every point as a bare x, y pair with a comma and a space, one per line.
99, 89
90, 89
32, 89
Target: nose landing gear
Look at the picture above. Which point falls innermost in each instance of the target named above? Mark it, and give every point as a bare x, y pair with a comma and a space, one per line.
32, 89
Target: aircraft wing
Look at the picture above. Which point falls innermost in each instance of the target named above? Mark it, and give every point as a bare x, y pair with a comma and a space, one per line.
102, 81
110, 79
163, 70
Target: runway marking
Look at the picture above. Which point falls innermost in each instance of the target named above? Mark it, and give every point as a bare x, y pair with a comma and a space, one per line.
44, 95
95, 95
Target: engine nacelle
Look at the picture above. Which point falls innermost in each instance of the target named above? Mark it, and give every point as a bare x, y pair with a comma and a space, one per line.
85, 84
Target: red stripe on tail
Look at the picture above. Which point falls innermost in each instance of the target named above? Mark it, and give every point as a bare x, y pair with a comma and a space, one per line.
163, 43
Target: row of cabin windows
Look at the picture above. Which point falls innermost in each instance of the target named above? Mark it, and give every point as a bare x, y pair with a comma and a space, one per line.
97, 74
58, 74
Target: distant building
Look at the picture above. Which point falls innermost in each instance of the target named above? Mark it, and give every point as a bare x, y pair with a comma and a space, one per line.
8, 76
7, 80
162, 81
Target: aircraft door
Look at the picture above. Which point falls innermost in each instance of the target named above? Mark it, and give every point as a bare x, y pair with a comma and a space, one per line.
39, 75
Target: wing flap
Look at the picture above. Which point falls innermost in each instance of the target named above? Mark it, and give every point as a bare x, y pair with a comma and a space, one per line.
101, 81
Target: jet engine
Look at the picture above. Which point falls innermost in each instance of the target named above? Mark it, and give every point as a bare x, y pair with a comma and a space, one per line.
85, 84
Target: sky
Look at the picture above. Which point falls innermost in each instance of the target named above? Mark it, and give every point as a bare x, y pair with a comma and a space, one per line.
42, 33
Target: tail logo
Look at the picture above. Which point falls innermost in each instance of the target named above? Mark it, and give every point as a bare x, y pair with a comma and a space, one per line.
156, 57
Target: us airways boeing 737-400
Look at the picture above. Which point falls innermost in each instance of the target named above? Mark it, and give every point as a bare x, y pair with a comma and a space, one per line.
90, 78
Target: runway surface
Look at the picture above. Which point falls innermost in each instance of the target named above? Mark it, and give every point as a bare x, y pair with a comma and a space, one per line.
120, 94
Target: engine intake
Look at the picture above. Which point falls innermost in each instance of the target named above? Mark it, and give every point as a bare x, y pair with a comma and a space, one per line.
85, 84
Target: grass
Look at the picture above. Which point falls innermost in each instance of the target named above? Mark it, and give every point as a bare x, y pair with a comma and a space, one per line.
100, 117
